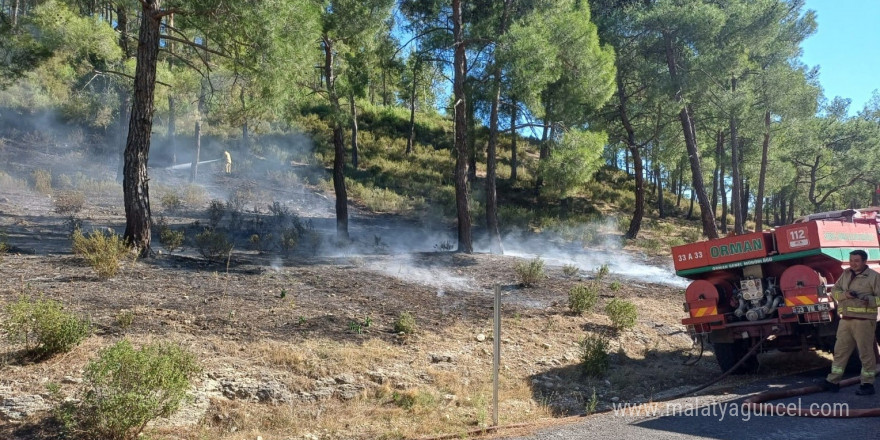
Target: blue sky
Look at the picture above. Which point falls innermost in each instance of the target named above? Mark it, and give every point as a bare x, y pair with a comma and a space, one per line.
847, 48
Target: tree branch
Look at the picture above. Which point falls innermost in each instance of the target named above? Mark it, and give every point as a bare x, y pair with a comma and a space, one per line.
194, 44
104, 72
187, 62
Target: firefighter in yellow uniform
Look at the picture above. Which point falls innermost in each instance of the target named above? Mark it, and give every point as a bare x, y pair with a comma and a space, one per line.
856, 294
228, 162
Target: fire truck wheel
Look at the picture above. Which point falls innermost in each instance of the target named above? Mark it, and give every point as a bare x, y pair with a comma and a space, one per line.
728, 354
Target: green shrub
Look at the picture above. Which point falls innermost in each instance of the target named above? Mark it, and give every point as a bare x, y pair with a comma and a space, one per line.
691, 235
125, 388
530, 272
594, 355
124, 319
405, 323
216, 211
622, 314
582, 298
260, 243
590, 405
44, 326
213, 245
410, 399
289, 239
69, 202
602, 271
615, 286
103, 251
170, 239
570, 270
171, 202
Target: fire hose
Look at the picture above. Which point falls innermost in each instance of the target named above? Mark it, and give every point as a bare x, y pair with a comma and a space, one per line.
754, 403
757, 403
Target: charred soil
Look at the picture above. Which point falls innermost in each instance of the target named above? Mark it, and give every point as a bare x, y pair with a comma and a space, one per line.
302, 344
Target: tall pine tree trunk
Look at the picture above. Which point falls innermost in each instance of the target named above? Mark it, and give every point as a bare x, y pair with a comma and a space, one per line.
680, 186
491, 196
691, 209
135, 183
194, 168
513, 159
16, 5
736, 194
690, 138
659, 186
354, 131
412, 110
338, 144
722, 190
465, 243
471, 138
124, 95
765, 150
545, 149
245, 133
172, 105
635, 224
719, 153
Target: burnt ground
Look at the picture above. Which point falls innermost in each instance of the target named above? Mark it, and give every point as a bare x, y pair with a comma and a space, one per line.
301, 344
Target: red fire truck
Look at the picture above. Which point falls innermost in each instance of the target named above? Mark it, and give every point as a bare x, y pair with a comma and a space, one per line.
777, 282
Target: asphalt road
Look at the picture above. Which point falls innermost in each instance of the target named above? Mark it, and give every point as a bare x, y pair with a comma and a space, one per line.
723, 417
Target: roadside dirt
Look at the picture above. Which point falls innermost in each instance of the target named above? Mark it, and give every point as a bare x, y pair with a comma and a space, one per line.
302, 345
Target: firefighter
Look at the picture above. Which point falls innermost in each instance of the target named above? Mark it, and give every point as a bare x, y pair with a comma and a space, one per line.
228, 162
856, 294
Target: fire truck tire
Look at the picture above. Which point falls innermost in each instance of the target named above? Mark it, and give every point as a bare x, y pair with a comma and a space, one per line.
728, 354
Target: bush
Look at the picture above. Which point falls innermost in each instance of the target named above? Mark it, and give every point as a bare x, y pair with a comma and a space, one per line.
615, 286
69, 202
570, 270
170, 239
44, 326
42, 180
102, 251
413, 398
583, 298
216, 211
602, 271
530, 272
594, 355
126, 388
213, 245
622, 314
405, 323
171, 202
194, 196
124, 319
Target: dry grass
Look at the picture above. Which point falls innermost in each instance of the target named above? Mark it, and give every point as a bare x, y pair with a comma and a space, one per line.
9, 182
42, 181
69, 202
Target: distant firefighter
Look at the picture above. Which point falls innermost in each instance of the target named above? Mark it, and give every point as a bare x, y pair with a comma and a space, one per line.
228, 162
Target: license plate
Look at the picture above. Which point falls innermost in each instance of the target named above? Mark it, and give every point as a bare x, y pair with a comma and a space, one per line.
821, 307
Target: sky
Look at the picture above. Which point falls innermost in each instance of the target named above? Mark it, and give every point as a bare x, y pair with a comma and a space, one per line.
846, 46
